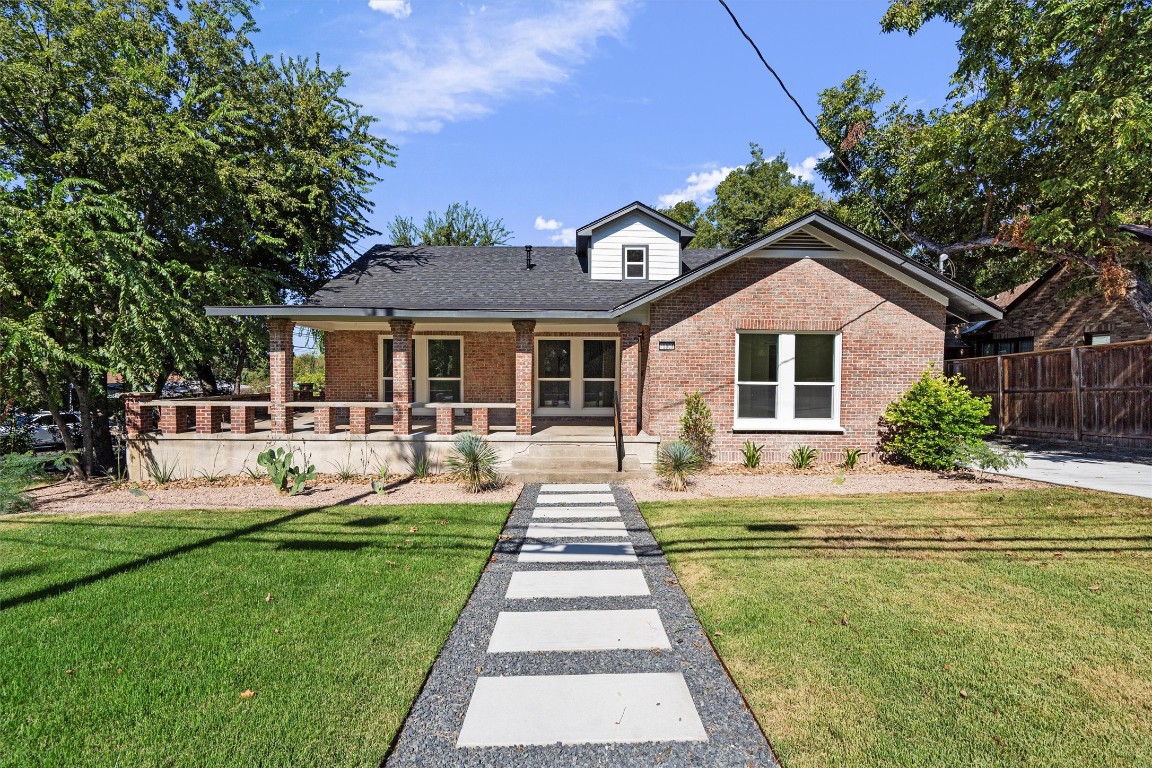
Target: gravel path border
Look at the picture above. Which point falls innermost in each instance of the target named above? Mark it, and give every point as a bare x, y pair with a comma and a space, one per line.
428, 736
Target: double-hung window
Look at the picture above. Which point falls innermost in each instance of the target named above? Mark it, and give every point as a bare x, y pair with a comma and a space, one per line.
445, 366
599, 372
787, 381
555, 373
575, 376
635, 262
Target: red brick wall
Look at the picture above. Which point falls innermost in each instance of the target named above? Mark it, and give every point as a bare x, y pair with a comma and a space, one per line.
351, 369
889, 334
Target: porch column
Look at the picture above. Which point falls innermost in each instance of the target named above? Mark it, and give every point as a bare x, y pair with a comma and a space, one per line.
630, 335
401, 376
525, 350
280, 355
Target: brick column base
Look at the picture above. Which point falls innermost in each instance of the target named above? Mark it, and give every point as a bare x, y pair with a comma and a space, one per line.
322, 421
283, 419
175, 418
401, 418
242, 419
209, 419
445, 421
360, 420
480, 423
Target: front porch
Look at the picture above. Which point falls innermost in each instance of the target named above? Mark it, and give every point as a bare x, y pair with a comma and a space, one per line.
552, 399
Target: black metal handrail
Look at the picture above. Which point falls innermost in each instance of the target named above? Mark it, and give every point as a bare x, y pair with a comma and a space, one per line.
617, 431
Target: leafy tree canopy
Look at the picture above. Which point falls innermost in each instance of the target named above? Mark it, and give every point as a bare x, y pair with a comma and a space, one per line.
750, 202
460, 224
153, 163
1039, 155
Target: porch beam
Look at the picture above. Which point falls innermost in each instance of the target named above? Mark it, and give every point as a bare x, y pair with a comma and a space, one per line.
525, 351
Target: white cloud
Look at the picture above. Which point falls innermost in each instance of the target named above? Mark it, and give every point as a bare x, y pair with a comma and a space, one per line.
804, 171
561, 235
460, 70
698, 187
401, 9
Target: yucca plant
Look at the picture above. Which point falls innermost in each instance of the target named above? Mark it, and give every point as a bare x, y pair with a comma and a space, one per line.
472, 462
676, 462
752, 454
421, 466
803, 456
851, 457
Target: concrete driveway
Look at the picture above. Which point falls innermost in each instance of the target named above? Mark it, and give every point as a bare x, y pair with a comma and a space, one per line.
1113, 471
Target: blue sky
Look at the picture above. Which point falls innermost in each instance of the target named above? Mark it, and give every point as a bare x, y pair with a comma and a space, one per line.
549, 115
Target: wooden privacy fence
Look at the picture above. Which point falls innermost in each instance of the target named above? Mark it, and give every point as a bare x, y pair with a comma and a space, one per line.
1091, 394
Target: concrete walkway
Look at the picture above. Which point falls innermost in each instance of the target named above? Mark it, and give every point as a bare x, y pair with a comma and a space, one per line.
1129, 474
578, 648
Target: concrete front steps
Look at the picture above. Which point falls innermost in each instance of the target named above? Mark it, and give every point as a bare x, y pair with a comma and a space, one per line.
582, 461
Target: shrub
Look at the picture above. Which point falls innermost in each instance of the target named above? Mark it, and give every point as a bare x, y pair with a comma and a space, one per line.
472, 462
752, 454
803, 456
696, 427
161, 473
980, 458
18, 471
676, 462
930, 421
15, 434
851, 458
421, 466
282, 470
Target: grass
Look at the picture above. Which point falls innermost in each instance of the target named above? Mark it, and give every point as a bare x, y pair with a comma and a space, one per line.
128, 639
984, 629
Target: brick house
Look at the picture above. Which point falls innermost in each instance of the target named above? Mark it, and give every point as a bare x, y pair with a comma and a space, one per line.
800, 337
1052, 312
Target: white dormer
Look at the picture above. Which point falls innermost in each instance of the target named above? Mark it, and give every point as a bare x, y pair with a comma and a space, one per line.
634, 243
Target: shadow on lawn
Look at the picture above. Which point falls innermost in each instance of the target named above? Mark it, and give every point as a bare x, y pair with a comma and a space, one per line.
57, 589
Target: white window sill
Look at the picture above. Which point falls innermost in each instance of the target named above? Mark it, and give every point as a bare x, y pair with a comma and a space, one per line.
782, 425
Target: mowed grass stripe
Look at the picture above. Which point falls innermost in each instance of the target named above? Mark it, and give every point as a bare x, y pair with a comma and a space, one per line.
145, 666
982, 629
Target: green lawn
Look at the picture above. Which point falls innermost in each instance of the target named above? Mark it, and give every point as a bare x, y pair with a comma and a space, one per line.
128, 639
981, 629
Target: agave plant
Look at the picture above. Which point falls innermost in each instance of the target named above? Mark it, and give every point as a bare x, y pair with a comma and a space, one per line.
676, 462
472, 462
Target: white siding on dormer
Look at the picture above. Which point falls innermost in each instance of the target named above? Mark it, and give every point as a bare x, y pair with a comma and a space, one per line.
606, 251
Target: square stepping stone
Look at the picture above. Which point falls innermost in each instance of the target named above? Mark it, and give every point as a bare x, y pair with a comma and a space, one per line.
619, 582
575, 488
606, 528
523, 631
555, 512
575, 498
580, 709
577, 552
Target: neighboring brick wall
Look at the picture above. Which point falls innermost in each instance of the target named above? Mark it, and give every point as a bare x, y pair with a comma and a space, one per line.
1055, 317
351, 368
890, 332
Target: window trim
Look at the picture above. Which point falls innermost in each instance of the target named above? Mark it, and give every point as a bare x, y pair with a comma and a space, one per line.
576, 380
420, 377
785, 420
624, 261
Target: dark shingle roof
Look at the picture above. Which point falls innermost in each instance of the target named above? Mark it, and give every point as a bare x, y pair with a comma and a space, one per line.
481, 278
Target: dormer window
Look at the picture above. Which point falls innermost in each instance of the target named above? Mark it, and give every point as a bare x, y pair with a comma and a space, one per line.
635, 262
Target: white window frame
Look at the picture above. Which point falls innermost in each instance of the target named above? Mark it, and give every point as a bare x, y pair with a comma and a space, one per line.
420, 374
785, 420
576, 382
624, 262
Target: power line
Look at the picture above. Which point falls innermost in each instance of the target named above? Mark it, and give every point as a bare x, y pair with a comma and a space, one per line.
836, 155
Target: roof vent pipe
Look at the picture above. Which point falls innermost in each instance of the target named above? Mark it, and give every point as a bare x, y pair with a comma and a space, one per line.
528, 257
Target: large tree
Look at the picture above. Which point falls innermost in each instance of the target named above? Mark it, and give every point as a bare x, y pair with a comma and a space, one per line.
153, 162
1039, 156
751, 201
460, 224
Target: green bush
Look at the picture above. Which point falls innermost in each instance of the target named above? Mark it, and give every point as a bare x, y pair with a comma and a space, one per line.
472, 462
752, 454
979, 458
15, 435
803, 456
930, 421
20, 470
676, 462
696, 427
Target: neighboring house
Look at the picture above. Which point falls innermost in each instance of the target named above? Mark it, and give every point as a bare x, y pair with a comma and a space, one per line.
1049, 313
800, 337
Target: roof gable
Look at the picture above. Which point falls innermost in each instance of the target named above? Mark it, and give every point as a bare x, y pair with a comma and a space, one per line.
584, 233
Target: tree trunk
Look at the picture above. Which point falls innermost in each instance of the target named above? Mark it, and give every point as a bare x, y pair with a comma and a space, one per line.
207, 378
79, 382
102, 447
241, 360
58, 420
166, 369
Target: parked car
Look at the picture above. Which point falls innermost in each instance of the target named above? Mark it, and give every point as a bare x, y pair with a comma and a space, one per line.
45, 433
